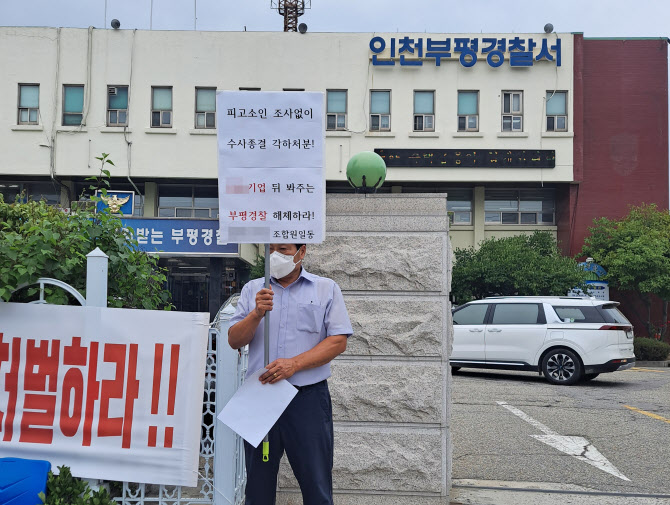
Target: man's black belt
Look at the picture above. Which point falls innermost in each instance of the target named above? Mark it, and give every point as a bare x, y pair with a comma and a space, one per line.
301, 388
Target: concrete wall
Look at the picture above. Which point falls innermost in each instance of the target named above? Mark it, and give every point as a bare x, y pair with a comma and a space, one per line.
270, 61
391, 389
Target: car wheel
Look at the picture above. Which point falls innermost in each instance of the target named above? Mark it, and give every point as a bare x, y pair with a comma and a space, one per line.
562, 367
590, 376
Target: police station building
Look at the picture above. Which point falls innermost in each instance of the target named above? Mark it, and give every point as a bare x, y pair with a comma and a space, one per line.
523, 131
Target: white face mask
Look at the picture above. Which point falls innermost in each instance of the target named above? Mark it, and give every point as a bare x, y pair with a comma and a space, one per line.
281, 265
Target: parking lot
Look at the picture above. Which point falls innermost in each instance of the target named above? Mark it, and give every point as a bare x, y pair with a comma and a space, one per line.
610, 435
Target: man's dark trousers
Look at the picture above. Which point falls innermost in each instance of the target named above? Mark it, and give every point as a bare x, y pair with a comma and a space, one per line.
305, 432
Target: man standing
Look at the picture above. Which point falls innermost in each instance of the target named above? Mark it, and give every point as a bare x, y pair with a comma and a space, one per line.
309, 327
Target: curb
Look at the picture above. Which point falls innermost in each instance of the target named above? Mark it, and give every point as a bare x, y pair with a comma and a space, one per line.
650, 364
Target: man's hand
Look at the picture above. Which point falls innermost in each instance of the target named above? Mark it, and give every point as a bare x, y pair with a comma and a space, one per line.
278, 370
263, 301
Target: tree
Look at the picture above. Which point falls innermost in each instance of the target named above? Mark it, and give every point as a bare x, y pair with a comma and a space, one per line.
37, 240
526, 265
635, 251
258, 268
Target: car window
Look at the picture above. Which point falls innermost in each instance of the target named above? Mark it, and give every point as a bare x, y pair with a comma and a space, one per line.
585, 314
471, 314
613, 315
516, 313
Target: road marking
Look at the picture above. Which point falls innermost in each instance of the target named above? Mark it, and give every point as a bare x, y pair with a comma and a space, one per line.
578, 447
544, 429
650, 414
636, 369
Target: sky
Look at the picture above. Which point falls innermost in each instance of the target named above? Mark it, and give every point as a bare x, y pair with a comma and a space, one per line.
595, 18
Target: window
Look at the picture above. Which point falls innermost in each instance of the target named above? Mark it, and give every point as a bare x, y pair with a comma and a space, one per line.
471, 314
468, 111
517, 313
512, 111
557, 117
205, 107
29, 104
612, 314
380, 111
336, 109
424, 111
582, 314
161, 107
37, 191
459, 206
73, 104
188, 201
526, 206
117, 105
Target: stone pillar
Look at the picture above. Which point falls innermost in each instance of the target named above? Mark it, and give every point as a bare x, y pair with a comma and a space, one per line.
391, 390
150, 199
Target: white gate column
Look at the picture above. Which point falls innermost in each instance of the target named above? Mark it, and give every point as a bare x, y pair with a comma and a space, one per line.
96, 278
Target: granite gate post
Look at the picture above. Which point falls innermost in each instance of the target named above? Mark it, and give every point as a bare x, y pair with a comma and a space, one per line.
391, 390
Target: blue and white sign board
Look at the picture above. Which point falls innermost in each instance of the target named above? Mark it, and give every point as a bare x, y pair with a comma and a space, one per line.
596, 288
520, 52
180, 237
125, 198
271, 177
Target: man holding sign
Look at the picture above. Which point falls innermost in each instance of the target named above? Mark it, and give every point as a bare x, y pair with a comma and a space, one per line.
309, 327
272, 192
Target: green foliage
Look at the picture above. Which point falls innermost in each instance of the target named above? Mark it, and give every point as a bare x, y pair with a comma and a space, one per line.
635, 251
37, 240
258, 269
64, 489
648, 349
525, 265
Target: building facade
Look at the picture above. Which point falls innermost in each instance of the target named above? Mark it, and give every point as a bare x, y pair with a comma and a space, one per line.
523, 131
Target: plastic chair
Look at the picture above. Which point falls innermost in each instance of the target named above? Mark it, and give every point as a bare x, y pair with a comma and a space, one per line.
21, 480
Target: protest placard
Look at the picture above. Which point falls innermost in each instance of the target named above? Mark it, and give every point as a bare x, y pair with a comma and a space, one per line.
271, 178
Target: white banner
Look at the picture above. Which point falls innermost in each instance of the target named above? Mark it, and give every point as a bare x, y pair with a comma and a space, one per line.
271, 178
114, 394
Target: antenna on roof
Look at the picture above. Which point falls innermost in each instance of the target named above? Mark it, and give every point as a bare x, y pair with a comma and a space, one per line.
291, 10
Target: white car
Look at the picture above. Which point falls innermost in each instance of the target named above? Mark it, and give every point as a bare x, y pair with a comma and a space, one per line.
564, 338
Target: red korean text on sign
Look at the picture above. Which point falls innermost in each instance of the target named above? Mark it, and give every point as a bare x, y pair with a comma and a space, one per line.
114, 388
11, 384
172, 391
39, 404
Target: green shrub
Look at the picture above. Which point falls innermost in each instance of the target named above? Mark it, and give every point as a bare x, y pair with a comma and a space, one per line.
648, 349
39, 240
64, 489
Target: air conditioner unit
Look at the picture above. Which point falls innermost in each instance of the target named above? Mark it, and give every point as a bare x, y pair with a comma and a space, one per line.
112, 91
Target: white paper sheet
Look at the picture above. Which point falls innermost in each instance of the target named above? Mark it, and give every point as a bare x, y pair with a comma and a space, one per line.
255, 407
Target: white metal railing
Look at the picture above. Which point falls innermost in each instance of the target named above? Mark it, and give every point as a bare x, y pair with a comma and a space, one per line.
229, 469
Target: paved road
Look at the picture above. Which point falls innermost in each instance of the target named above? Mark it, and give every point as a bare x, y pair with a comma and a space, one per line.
498, 419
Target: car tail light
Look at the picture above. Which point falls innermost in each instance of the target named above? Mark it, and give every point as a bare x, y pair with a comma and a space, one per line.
616, 327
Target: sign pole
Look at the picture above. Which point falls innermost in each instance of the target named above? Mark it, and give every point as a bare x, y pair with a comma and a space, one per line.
266, 342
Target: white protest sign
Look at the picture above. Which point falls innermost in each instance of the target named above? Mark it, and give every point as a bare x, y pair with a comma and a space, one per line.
114, 394
271, 177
